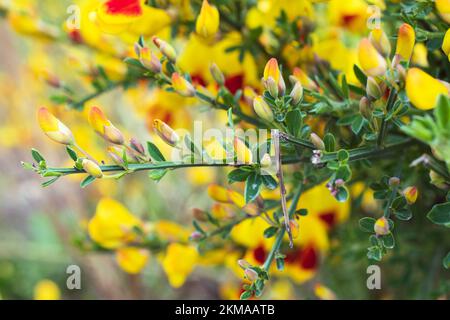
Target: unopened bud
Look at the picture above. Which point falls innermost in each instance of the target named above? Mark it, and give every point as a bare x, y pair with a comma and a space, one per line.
297, 93
251, 274
373, 89
365, 108
380, 41
104, 127
317, 141
381, 226
165, 132
266, 161
149, 60
217, 74
137, 146
92, 168
199, 215
166, 49
243, 264
437, 180
339, 183
411, 194
401, 71
53, 128
182, 86
394, 181
195, 236
271, 86
262, 109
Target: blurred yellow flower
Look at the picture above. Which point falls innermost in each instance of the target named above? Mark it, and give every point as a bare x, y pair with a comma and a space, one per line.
178, 262
113, 225
46, 290
132, 259
422, 89
207, 21
372, 63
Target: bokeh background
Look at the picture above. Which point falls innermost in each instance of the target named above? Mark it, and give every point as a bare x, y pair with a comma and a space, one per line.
41, 228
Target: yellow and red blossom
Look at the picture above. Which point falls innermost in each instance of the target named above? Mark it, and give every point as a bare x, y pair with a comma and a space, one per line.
371, 61
104, 127
53, 128
115, 16
381, 226
182, 86
411, 193
422, 89
165, 132
207, 23
405, 41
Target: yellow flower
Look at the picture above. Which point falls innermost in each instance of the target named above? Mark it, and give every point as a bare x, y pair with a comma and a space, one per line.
324, 293
178, 262
372, 63
307, 82
46, 290
112, 225
207, 21
446, 43
381, 226
132, 259
104, 127
422, 89
242, 152
115, 16
411, 194
405, 41
53, 128
443, 7
350, 14
420, 55
182, 86
218, 193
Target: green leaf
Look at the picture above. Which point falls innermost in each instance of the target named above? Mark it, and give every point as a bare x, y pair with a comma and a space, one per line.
252, 187
154, 152
49, 182
37, 155
357, 124
342, 194
362, 78
230, 117
388, 241
198, 228
280, 263
344, 173
345, 89
442, 113
343, 155
440, 214
269, 181
375, 253
87, 181
238, 175
157, 174
367, 224
270, 232
330, 142
294, 122
446, 261
404, 214
246, 295
302, 212
72, 153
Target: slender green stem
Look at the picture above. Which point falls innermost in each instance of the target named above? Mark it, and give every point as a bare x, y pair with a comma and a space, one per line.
368, 152
299, 142
132, 167
387, 211
281, 232
383, 128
